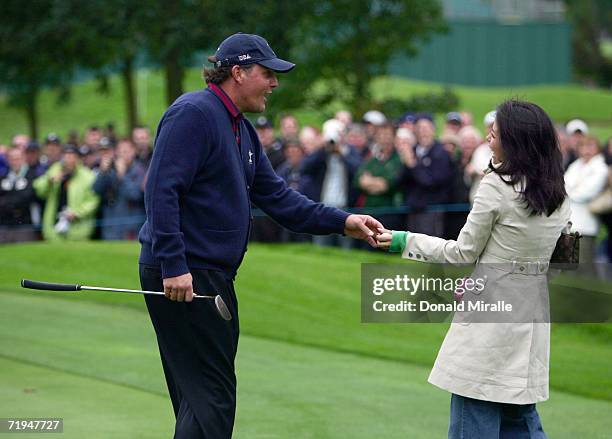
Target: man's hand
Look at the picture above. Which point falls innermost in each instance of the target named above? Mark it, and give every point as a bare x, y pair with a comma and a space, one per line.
407, 156
179, 288
362, 227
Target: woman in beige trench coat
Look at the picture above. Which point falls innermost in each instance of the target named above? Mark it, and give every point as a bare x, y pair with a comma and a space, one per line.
496, 372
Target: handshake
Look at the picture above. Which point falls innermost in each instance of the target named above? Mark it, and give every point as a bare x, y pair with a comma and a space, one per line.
368, 229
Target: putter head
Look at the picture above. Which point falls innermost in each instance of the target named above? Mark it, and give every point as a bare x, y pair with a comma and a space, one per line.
222, 308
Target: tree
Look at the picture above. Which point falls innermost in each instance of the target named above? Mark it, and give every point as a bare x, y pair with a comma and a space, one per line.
346, 43
175, 30
590, 20
30, 55
42, 44
123, 27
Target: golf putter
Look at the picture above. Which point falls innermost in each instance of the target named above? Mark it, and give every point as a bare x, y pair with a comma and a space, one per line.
35, 285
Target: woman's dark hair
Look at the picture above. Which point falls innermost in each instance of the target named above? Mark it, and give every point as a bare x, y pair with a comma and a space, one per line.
532, 158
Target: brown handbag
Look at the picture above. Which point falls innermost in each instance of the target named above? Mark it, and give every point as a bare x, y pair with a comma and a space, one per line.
566, 253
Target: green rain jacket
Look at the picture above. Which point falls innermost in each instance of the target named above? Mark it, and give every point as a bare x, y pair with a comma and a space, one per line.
81, 200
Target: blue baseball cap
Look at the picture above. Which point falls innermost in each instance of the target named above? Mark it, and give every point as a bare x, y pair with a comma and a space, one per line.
244, 49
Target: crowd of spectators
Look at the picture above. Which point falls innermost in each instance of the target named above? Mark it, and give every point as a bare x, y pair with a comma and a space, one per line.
406, 172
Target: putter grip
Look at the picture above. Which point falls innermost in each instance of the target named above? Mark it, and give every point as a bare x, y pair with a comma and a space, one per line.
34, 285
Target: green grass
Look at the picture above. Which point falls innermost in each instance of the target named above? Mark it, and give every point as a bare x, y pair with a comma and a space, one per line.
88, 107
306, 364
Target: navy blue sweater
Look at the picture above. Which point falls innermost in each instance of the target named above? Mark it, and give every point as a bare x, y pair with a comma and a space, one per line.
200, 187
429, 182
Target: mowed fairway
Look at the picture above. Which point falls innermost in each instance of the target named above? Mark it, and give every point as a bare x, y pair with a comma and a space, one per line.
307, 367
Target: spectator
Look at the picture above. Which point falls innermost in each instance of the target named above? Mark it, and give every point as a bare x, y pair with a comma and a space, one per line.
32, 157
70, 201
576, 129
291, 172
453, 123
89, 148
264, 228
4, 167
119, 186
567, 154
357, 138
606, 216
480, 159
73, 138
373, 119
407, 120
141, 136
16, 199
467, 118
584, 180
273, 147
93, 135
426, 178
110, 134
20, 141
377, 178
289, 127
106, 152
310, 139
90, 157
452, 145
53, 150
345, 117
468, 139
331, 169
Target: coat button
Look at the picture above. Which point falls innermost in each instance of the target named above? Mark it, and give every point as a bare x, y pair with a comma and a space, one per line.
522, 268
418, 256
410, 254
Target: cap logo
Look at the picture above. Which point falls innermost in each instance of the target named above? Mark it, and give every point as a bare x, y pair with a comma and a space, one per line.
244, 57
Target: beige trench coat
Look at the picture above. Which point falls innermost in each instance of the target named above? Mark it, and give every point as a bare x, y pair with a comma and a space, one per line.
500, 362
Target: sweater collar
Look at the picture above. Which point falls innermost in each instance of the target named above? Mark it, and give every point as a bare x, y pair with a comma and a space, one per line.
226, 100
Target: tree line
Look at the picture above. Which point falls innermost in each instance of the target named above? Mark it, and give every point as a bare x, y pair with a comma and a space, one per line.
339, 45
44, 42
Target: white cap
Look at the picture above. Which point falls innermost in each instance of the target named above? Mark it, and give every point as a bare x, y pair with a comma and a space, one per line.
374, 117
333, 130
576, 125
490, 118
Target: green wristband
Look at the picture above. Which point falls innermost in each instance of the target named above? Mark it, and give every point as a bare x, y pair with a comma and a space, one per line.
398, 242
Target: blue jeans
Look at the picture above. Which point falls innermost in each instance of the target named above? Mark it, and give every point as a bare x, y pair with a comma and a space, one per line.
475, 419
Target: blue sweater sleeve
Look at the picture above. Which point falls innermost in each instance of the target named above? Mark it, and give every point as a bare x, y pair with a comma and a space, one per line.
290, 208
180, 149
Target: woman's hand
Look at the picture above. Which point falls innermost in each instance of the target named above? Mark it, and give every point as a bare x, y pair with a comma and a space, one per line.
383, 239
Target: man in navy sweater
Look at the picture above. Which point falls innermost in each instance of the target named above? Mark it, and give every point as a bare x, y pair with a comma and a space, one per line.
207, 167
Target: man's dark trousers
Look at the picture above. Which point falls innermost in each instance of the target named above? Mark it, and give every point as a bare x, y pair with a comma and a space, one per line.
197, 349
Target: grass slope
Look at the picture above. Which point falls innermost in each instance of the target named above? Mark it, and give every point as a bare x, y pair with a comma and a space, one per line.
88, 107
95, 365
303, 295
